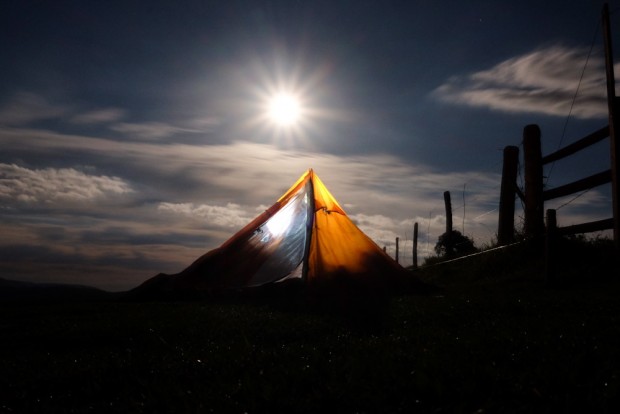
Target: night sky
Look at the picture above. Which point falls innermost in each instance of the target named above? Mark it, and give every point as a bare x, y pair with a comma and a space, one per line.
134, 136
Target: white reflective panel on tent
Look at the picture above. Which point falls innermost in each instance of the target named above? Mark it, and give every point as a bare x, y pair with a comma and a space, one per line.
284, 237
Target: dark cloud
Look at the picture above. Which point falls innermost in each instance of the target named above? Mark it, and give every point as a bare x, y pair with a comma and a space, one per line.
115, 236
44, 264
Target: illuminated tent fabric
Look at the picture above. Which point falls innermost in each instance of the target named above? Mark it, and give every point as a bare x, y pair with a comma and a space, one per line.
305, 235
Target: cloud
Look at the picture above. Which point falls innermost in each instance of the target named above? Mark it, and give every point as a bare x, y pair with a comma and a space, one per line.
145, 131
230, 216
181, 200
235, 178
156, 130
110, 270
27, 107
251, 174
51, 185
99, 116
204, 124
116, 253
543, 81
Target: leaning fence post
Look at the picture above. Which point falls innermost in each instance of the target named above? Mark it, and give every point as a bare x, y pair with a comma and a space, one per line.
506, 226
551, 247
532, 160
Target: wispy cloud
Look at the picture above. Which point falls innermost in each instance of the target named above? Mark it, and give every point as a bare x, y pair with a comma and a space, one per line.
149, 130
154, 131
98, 116
543, 81
26, 107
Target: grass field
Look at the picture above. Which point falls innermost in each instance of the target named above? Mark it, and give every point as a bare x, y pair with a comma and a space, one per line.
494, 345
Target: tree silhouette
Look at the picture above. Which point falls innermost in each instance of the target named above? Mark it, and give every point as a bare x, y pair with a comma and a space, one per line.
451, 244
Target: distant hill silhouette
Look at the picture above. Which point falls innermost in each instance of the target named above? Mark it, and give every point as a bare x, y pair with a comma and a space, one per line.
17, 291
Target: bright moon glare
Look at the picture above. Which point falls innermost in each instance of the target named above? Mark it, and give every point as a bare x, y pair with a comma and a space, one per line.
284, 109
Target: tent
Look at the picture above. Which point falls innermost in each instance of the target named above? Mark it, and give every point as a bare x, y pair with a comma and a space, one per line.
306, 235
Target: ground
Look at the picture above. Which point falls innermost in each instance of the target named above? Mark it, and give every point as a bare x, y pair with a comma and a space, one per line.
511, 344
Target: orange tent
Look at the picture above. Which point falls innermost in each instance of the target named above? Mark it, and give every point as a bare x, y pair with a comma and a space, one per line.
305, 235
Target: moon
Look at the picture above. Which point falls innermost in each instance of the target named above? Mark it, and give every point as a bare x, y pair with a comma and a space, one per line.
284, 109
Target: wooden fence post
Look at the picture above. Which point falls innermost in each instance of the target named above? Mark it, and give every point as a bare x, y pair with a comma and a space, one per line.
446, 199
551, 247
397, 239
532, 160
506, 225
614, 124
415, 245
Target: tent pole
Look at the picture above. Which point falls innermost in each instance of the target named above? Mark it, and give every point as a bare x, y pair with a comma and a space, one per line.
309, 227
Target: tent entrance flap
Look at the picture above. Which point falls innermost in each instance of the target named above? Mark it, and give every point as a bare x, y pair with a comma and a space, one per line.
284, 237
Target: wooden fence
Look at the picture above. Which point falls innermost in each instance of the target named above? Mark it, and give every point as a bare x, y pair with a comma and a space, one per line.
534, 194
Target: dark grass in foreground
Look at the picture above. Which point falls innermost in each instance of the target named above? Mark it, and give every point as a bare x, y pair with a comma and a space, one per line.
505, 344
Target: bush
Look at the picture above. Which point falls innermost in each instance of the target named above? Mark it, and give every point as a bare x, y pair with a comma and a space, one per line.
454, 244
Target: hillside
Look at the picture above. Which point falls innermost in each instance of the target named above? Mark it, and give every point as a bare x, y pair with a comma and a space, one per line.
18, 291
